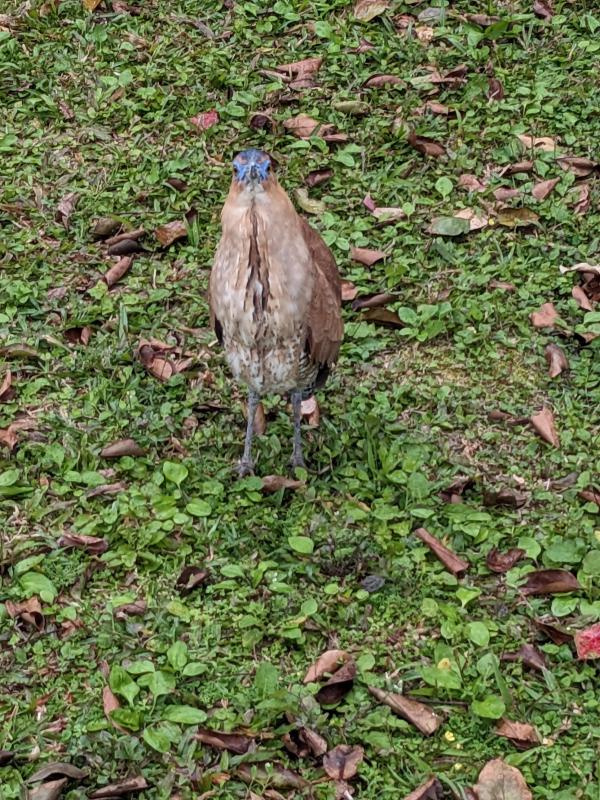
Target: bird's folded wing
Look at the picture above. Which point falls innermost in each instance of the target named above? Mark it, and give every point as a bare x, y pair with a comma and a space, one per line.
325, 327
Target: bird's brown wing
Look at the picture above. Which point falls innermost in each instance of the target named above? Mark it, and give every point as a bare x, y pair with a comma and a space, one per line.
325, 327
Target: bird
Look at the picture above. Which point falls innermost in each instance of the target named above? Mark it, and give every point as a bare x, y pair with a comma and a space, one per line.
274, 296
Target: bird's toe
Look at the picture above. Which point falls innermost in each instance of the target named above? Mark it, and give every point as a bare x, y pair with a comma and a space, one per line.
245, 468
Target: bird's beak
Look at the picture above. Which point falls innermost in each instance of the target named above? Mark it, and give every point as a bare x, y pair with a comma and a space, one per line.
254, 174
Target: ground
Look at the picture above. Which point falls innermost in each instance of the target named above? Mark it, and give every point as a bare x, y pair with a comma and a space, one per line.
98, 103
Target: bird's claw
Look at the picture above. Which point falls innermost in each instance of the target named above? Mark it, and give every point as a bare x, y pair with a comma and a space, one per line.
245, 468
297, 461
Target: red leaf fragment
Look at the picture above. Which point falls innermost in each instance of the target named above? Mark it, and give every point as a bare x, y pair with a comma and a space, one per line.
587, 642
550, 581
205, 120
543, 424
90, 544
502, 562
545, 317
419, 715
451, 561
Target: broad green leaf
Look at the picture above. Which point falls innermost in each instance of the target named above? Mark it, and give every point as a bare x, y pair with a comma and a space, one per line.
198, 508
122, 683
160, 683
449, 226
479, 634
127, 717
175, 472
184, 715
444, 186
232, 571
139, 667
591, 563
177, 655
309, 607
35, 583
194, 668
266, 678
156, 739
491, 707
9, 477
301, 544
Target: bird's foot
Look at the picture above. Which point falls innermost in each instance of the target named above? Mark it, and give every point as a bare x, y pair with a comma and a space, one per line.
297, 460
245, 468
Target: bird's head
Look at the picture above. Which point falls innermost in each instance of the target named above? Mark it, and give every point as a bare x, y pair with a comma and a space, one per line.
251, 168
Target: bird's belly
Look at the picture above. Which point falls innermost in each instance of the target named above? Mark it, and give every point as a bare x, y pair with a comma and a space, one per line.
269, 365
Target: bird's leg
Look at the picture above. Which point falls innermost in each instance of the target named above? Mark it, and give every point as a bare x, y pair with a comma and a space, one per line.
297, 460
246, 465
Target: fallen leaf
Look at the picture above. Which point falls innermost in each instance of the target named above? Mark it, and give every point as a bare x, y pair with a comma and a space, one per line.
314, 741
518, 167
476, 221
495, 90
583, 266
502, 562
349, 291
454, 76
276, 776
557, 360
90, 544
273, 483
310, 411
66, 207
50, 790
434, 108
369, 203
122, 447
205, 120
106, 488
341, 763
384, 317
169, 233
542, 189
587, 642
424, 33
58, 293
429, 147
517, 217
110, 704
550, 581
582, 203
471, 182
126, 786
529, 655
581, 298
543, 423
454, 492
366, 10
8, 438
499, 781
505, 287
419, 715
448, 226
301, 69
451, 561
578, 165
177, 184
373, 300
232, 742
543, 9
124, 247
190, 578
338, 685
558, 634
430, 790
58, 768
387, 214
483, 20
302, 126
537, 142
365, 256
91, 5
132, 236
118, 270
545, 317
317, 177
78, 335
378, 80
136, 609
590, 496
522, 734
105, 227
28, 612
504, 193
260, 420
504, 497
5, 384
328, 662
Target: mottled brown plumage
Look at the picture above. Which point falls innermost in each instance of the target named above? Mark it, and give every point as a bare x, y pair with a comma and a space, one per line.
274, 292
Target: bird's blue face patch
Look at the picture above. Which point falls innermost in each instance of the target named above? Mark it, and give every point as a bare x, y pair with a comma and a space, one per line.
252, 166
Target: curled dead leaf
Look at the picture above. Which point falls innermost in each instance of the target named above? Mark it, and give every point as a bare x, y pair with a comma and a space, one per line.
471, 182
558, 634
499, 780
260, 420
581, 298
48, 790
122, 447
120, 788
349, 291
502, 562
590, 495
545, 143
132, 236
503, 193
277, 776
5, 384
305, 68
545, 317
136, 609
426, 146
169, 233
504, 497
232, 742
373, 300
495, 90
338, 685
542, 189
418, 714
58, 769
124, 247
366, 10
522, 734
543, 424
476, 220
581, 167
529, 655
310, 411
106, 488
365, 256
66, 207
341, 763
302, 126
318, 176
28, 612
557, 360
587, 642
118, 270
190, 578
451, 561
581, 192
550, 581
273, 483
384, 317
78, 335
90, 544
430, 790
381, 79
328, 662
516, 168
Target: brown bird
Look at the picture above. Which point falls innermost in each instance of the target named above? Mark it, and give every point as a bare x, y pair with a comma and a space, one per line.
275, 297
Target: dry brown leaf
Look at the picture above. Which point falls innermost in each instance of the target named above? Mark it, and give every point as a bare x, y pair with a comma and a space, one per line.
122, 447
476, 221
120, 788
515, 169
310, 411
260, 420
110, 704
430, 790
5, 384
328, 662
66, 207
381, 79
453, 77
90, 544
495, 90
118, 270
587, 642
169, 233
471, 182
136, 609
232, 742
451, 561
305, 68
522, 734
516, 217
550, 581
424, 33
502, 562
504, 497
105, 227
341, 763
302, 126
384, 317
388, 214
58, 768
454, 492
277, 776
543, 423
582, 202
581, 298
419, 715
91, 5
273, 483
48, 790
557, 360
8, 437
578, 165
545, 317
373, 300
106, 488
590, 496
433, 107
556, 633
6, 756
529, 655
366, 10
499, 781
543, 9
133, 236
426, 146
28, 612
318, 176
537, 142
314, 741
338, 685
349, 291
504, 193
583, 266
78, 335
124, 247
505, 287
365, 256
191, 577
542, 189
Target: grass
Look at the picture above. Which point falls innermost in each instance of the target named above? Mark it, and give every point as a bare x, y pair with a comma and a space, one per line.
99, 104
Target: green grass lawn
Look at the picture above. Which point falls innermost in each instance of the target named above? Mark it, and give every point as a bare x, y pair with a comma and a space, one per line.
99, 104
